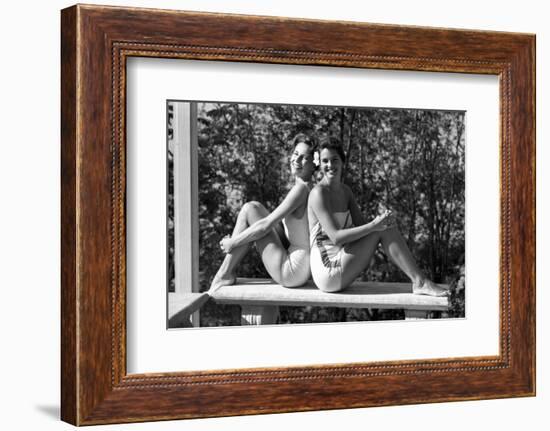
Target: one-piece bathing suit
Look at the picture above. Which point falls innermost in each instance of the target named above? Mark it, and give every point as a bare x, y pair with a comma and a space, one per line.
295, 270
326, 257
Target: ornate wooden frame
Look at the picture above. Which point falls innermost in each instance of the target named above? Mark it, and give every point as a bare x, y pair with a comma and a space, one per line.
96, 41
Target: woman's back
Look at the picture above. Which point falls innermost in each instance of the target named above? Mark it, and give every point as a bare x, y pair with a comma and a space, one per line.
297, 230
296, 227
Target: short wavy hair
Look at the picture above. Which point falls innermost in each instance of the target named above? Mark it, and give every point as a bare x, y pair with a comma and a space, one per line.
334, 144
305, 139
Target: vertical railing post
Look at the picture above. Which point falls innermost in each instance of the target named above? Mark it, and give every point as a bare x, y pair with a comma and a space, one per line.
186, 193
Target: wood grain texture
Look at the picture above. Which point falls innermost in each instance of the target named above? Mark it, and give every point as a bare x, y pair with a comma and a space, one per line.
68, 218
96, 41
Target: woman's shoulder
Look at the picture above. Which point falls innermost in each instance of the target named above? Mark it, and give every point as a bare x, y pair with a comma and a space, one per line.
323, 192
300, 188
319, 190
297, 195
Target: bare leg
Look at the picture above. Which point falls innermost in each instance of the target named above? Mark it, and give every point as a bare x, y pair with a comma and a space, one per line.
358, 255
396, 248
242, 218
226, 273
270, 248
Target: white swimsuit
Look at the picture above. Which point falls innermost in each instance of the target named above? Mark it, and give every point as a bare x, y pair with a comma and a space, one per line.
295, 270
326, 266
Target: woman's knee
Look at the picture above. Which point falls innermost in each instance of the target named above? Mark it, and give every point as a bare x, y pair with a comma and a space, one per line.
364, 245
252, 206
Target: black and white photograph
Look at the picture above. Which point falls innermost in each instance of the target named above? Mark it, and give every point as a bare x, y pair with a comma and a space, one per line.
288, 214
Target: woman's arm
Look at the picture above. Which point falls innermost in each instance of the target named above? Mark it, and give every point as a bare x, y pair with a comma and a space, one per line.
321, 205
388, 217
296, 197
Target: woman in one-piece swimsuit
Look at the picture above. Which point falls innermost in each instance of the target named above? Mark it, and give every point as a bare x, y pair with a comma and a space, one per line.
342, 244
269, 231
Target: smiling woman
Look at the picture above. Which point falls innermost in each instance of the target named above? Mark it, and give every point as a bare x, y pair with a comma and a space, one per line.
342, 243
256, 165
287, 265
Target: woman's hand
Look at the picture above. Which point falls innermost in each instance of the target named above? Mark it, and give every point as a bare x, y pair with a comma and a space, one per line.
384, 221
226, 244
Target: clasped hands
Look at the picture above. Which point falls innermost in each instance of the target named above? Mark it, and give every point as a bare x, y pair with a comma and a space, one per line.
384, 221
226, 244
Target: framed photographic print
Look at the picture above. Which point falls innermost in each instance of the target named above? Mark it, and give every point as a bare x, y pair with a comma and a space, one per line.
339, 209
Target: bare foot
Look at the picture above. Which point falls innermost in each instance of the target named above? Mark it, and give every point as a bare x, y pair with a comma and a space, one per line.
220, 281
428, 287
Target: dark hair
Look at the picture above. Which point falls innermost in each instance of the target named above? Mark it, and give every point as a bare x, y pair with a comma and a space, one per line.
305, 139
332, 143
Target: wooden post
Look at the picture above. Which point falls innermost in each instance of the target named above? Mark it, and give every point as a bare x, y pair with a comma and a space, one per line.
416, 314
259, 314
186, 191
